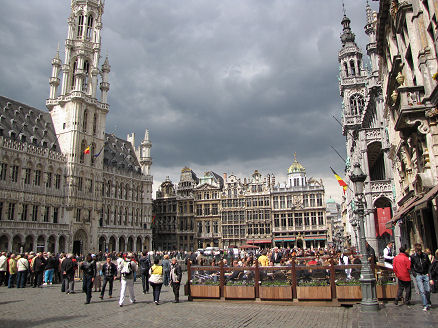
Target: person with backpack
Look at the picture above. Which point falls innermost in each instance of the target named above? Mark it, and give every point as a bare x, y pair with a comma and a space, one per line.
89, 269
156, 280
126, 269
145, 265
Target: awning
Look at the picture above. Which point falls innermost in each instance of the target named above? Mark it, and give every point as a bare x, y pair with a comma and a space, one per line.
429, 195
286, 239
259, 241
405, 208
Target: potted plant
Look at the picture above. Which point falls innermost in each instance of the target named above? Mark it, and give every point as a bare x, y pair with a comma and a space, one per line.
275, 290
386, 289
313, 290
239, 289
204, 288
348, 289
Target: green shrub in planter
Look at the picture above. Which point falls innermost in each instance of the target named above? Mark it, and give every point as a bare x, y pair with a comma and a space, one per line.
352, 282
313, 283
275, 283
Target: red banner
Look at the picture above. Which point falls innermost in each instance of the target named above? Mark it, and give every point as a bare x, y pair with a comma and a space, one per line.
383, 216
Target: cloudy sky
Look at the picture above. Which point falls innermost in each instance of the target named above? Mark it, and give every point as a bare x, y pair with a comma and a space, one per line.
229, 86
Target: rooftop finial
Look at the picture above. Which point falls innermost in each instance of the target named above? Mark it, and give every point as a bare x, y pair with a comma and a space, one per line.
343, 8
295, 156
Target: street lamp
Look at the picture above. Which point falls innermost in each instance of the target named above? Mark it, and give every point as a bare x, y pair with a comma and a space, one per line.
368, 281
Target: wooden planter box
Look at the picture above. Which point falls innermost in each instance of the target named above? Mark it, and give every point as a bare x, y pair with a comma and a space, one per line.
204, 291
387, 291
314, 293
243, 292
349, 292
275, 292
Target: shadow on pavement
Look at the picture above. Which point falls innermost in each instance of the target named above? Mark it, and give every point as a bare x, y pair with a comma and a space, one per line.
11, 323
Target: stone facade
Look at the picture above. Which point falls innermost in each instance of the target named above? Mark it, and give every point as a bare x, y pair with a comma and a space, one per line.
66, 185
230, 211
407, 43
364, 127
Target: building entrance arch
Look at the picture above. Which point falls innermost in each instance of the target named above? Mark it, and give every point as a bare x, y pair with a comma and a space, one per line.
79, 242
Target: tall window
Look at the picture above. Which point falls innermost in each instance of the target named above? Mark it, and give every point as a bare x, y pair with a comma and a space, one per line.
312, 200
86, 72
83, 147
78, 215
3, 171
207, 227
318, 199
199, 227
94, 124
80, 26
35, 213
11, 211
24, 212
46, 214
306, 219
313, 218
1, 211
49, 180
89, 27
352, 67
75, 68
37, 178
55, 214
80, 183
14, 173
298, 220
320, 218
84, 122
58, 181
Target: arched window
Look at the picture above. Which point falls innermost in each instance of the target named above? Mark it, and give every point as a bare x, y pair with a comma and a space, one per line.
84, 122
115, 215
80, 25
108, 190
86, 72
73, 73
356, 104
346, 69
89, 27
94, 124
92, 150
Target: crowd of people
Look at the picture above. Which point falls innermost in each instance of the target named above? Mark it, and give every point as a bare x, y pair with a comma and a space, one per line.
157, 268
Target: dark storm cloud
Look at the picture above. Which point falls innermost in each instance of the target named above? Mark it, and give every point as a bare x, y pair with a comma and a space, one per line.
225, 85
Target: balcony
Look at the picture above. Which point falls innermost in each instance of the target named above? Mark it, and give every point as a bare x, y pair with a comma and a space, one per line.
351, 120
410, 108
380, 186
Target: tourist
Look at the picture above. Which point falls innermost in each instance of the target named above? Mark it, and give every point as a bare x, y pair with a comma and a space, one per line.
126, 269
276, 257
68, 274
23, 268
156, 280
145, 265
420, 265
402, 266
433, 274
38, 265
49, 269
175, 278
12, 263
387, 255
109, 272
88, 268
97, 284
166, 270
263, 259
3, 268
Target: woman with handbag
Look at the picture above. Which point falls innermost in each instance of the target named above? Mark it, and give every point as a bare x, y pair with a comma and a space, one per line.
156, 280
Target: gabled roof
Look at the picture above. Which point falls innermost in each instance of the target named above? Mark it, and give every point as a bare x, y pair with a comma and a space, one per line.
24, 123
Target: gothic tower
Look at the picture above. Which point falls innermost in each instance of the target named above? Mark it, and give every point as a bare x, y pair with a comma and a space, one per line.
78, 116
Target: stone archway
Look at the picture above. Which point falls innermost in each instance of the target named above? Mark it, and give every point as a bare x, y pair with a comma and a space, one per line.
102, 244
112, 244
17, 244
80, 242
51, 243
28, 244
121, 244
61, 244
146, 244
138, 247
4, 243
41, 243
130, 244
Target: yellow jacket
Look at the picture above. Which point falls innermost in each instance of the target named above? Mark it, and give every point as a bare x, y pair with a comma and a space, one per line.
12, 266
263, 260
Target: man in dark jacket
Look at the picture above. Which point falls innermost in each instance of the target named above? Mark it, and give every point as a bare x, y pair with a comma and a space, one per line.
145, 265
109, 270
402, 266
38, 268
420, 265
175, 278
89, 269
371, 253
68, 274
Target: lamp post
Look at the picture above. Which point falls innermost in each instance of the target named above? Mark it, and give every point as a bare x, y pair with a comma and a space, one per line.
368, 281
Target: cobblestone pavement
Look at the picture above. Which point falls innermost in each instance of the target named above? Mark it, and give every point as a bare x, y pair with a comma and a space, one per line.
48, 307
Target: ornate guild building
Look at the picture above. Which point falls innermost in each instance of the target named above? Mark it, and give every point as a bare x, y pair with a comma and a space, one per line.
65, 184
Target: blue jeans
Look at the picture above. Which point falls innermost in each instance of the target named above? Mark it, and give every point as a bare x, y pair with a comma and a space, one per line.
11, 281
21, 279
48, 275
423, 288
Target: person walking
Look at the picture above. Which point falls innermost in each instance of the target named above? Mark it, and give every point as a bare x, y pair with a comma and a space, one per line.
3, 268
49, 269
68, 274
126, 269
12, 271
89, 270
145, 265
433, 274
420, 265
402, 267
23, 268
156, 280
166, 270
175, 278
97, 284
109, 272
39, 263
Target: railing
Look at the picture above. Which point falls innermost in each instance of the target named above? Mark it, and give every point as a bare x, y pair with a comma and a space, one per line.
302, 280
